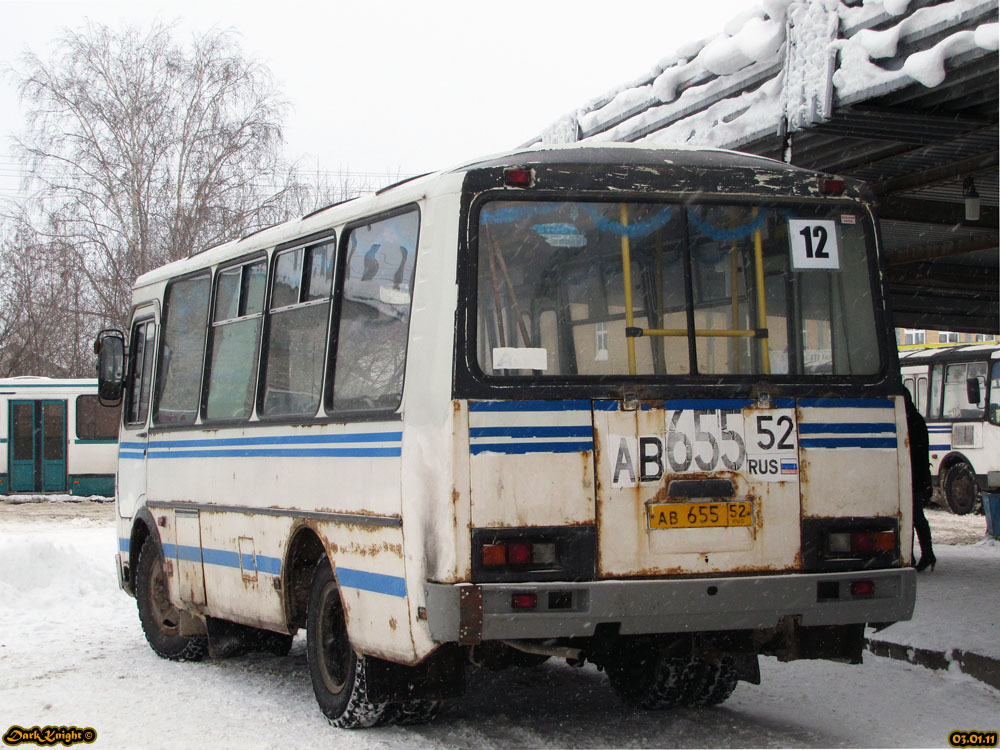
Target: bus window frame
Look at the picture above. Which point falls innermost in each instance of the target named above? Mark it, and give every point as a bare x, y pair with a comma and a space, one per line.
161, 342
944, 362
471, 382
206, 367
373, 414
144, 319
305, 242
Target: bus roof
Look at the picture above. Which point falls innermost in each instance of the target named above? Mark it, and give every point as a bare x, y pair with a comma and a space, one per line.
450, 181
958, 351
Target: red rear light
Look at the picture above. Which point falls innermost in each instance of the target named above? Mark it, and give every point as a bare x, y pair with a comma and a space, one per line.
523, 601
517, 177
519, 553
832, 187
862, 588
863, 542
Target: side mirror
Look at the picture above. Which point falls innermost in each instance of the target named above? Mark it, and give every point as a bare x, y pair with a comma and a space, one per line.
972, 391
110, 348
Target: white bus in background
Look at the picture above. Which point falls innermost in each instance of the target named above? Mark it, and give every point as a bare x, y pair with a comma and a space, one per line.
630, 406
56, 438
957, 390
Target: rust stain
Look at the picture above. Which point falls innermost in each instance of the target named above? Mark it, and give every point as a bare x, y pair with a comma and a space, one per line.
392, 623
803, 472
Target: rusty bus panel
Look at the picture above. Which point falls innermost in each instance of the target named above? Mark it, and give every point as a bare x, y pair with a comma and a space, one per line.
702, 444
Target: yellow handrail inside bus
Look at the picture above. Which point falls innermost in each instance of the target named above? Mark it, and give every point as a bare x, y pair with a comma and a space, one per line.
734, 269
758, 254
627, 272
705, 332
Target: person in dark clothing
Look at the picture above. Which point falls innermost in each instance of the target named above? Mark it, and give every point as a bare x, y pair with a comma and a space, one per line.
920, 473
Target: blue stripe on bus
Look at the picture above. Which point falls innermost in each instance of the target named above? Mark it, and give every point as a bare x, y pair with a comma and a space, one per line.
377, 582
857, 428
529, 432
940, 447
281, 452
848, 442
126, 446
732, 404
574, 405
356, 579
535, 447
361, 437
846, 403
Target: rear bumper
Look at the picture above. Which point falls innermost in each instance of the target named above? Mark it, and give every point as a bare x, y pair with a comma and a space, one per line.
470, 613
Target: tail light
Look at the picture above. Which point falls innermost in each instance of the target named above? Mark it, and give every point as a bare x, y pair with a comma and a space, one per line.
860, 543
518, 553
862, 588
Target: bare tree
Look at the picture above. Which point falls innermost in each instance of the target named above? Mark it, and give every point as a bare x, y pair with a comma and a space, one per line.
44, 328
143, 152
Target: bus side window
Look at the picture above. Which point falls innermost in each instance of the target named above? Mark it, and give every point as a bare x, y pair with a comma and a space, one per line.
908, 384
922, 395
296, 335
937, 385
94, 421
235, 339
178, 374
140, 372
375, 314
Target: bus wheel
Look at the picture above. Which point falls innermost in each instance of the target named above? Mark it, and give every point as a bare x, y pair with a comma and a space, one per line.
960, 489
660, 681
159, 618
717, 682
338, 673
412, 712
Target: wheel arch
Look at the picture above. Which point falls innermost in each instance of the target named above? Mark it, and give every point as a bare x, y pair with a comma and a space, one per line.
305, 549
953, 458
143, 528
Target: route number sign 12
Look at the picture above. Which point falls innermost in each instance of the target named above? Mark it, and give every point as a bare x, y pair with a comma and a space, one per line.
814, 244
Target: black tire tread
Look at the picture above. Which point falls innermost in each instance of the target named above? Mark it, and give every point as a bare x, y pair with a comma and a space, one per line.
951, 476
172, 647
351, 708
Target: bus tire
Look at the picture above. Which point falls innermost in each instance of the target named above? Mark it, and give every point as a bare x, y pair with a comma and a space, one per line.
662, 681
961, 489
338, 672
159, 618
408, 713
718, 681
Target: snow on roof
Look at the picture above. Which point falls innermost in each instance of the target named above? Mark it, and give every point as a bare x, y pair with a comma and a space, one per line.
785, 63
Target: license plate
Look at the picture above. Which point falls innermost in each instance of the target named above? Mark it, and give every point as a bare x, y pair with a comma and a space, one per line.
700, 515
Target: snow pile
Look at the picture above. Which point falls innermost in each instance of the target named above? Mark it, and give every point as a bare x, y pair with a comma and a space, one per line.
20, 499
783, 63
858, 74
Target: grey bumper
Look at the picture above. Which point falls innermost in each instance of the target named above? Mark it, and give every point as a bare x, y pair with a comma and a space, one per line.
470, 613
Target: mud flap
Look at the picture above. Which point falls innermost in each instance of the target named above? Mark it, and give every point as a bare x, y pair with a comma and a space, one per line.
747, 668
441, 675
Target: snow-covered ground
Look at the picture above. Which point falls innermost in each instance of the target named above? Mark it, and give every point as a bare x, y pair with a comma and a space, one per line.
72, 653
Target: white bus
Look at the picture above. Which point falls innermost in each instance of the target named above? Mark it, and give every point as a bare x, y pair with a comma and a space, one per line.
56, 438
957, 390
624, 405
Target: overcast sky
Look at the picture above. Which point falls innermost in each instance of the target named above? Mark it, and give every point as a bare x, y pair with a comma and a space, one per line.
378, 86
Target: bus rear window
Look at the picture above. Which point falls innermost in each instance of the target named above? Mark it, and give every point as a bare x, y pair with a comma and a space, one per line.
654, 289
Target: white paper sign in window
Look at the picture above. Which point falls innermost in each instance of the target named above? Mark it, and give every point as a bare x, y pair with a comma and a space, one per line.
520, 358
814, 244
